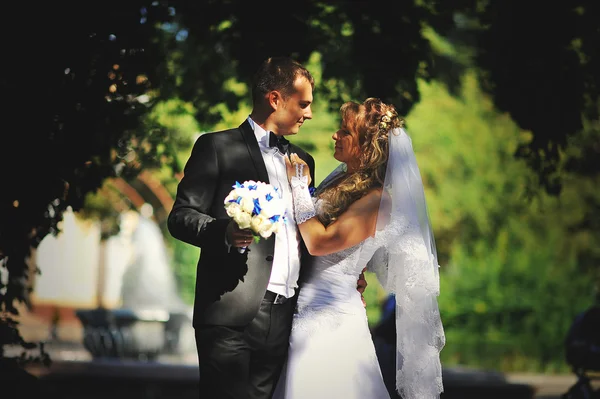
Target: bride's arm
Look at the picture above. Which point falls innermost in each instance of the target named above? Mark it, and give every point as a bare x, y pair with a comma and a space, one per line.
350, 228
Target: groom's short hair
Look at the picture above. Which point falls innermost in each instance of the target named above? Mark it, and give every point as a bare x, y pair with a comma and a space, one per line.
278, 73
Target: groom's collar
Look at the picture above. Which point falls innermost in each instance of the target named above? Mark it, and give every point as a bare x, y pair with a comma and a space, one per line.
262, 136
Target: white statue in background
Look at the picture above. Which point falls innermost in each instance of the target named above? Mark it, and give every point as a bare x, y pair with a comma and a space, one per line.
148, 281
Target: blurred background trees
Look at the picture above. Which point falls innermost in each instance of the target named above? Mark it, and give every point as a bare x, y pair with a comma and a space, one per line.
501, 99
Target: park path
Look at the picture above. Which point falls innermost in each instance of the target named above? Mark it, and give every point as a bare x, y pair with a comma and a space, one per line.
546, 385
69, 348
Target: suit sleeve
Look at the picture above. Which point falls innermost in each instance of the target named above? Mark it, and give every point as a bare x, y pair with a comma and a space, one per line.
190, 220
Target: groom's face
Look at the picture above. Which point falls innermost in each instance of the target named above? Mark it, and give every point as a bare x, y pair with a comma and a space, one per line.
293, 110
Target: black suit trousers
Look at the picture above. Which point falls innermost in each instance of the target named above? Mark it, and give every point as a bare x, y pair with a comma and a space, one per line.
245, 362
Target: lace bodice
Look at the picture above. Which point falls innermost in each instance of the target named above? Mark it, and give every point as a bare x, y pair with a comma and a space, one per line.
331, 279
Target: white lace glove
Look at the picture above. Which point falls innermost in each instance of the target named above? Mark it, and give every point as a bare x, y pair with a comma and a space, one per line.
304, 208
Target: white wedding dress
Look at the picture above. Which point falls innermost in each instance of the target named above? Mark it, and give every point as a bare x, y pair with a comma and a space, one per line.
331, 353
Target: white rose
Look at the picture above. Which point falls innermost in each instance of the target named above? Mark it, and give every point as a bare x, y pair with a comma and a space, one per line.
233, 208
266, 226
273, 228
247, 204
266, 233
257, 222
230, 197
243, 220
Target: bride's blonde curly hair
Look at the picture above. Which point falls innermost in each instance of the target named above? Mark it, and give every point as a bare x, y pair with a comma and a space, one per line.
370, 122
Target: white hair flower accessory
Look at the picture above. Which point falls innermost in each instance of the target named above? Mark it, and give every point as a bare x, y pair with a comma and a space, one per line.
390, 120
385, 119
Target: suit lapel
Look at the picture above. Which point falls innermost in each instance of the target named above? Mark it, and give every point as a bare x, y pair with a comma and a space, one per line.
254, 150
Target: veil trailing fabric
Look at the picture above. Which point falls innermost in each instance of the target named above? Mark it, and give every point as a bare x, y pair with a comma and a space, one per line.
405, 263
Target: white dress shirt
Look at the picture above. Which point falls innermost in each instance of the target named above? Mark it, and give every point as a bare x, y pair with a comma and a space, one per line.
286, 259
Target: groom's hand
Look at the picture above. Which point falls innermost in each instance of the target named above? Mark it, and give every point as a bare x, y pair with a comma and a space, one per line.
237, 237
361, 285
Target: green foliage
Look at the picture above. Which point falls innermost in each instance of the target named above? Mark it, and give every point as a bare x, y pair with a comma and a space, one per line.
184, 258
465, 157
509, 306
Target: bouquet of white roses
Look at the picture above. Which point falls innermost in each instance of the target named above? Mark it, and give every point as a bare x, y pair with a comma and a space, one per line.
257, 206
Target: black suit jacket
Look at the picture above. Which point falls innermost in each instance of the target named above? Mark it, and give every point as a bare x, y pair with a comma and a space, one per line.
229, 285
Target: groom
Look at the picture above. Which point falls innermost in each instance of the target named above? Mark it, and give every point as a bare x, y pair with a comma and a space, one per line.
244, 302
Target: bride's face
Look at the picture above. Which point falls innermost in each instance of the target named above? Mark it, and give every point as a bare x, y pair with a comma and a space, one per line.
346, 145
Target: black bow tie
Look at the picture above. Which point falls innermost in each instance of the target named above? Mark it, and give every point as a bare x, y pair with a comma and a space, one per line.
278, 141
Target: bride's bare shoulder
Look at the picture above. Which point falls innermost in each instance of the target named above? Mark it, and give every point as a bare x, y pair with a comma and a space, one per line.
370, 201
376, 193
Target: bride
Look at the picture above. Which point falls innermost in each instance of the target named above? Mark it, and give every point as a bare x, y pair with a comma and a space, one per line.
370, 212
